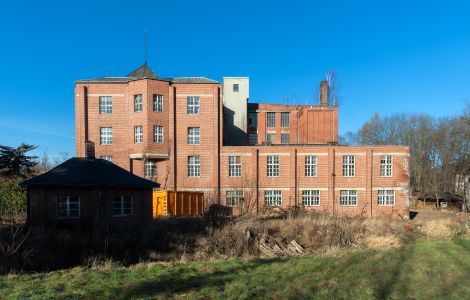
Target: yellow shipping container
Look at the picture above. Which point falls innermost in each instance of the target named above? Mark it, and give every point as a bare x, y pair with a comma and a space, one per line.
177, 203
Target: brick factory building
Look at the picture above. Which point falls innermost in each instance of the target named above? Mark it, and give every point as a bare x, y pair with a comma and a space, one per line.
193, 133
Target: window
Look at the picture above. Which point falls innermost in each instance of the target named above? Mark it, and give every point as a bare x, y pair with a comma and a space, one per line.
234, 166
107, 157
310, 165
253, 119
311, 197
68, 207
348, 165
193, 105
348, 197
194, 137
285, 119
271, 119
150, 168
157, 103
236, 87
285, 138
386, 197
235, 198
138, 103
271, 138
106, 105
138, 134
122, 206
252, 138
158, 134
386, 166
272, 198
194, 166
106, 135
273, 165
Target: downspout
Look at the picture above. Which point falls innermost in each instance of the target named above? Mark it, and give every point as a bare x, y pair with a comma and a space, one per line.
175, 167
85, 111
257, 180
218, 144
371, 178
334, 181
295, 179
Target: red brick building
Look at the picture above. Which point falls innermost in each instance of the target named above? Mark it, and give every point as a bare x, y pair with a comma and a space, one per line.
193, 133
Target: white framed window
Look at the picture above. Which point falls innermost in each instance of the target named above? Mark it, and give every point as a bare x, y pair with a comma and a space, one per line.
158, 134
252, 138
285, 119
285, 138
272, 198
349, 165
106, 105
138, 134
122, 206
348, 197
194, 136
150, 168
158, 103
386, 166
310, 165
234, 166
68, 207
138, 103
193, 105
271, 138
253, 119
106, 135
273, 165
271, 119
235, 198
236, 87
386, 197
194, 166
311, 197
107, 157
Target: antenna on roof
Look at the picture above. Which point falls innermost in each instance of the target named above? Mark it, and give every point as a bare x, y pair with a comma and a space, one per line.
145, 46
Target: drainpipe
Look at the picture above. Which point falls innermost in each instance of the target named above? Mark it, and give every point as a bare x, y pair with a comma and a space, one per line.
175, 167
334, 181
218, 144
85, 111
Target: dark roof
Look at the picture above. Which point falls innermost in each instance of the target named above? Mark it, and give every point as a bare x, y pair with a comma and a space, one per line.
191, 80
143, 71
89, 172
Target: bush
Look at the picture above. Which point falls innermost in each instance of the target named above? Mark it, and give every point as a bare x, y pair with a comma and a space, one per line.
12, 197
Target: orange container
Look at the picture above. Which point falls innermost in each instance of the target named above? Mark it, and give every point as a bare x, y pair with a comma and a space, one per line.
177, 203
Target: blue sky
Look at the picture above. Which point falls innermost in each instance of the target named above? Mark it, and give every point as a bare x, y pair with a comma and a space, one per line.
390, 56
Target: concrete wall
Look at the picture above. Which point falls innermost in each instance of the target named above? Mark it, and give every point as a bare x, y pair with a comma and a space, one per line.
235, 109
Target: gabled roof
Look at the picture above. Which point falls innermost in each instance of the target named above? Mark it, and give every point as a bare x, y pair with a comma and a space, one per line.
143, 71
88, 172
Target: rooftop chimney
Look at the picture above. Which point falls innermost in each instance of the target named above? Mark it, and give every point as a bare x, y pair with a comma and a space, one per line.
324, 92
89, 149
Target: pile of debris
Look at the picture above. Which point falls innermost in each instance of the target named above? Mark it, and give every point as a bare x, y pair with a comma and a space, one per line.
268, 246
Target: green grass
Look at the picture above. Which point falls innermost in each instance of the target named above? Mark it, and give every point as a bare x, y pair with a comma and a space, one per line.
425, 270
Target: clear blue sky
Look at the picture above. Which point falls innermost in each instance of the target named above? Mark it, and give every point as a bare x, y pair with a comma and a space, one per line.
390, 56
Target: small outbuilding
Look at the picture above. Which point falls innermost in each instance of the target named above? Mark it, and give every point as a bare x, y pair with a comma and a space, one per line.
90, 193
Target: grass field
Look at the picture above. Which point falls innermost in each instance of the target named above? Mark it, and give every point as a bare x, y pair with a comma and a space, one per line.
424, 270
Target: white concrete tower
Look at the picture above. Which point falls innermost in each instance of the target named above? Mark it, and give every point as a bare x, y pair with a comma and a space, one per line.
236, 92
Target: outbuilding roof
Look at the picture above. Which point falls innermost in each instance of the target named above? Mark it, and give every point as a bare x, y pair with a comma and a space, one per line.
88, 172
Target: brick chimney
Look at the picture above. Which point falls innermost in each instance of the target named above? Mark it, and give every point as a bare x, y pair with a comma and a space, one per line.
324, 92
89, 149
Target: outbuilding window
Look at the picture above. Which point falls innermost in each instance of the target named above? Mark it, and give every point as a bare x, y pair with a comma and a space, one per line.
122, 206
68, 207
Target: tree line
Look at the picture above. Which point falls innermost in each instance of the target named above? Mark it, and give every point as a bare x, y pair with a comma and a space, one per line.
439, 147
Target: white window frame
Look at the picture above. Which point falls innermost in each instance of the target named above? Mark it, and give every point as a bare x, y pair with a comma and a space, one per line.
157, 103
68, 202
283, 135
253, 119
272, 198
349, 166
234, 166
106, 105
150, 169
272, 163
194, 166
311, 197
107, 157
386, 197
386, 166
268, 135
194, 103
348, 198
234, 198
138, 103
158, 134
138, 134
106, 135
285, 119
121, 206
270, 119
311, 166
194, 135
